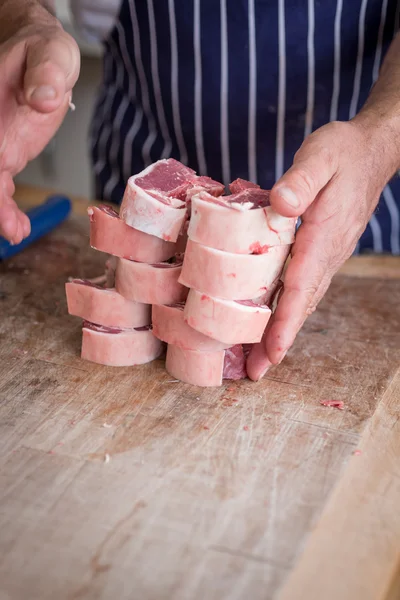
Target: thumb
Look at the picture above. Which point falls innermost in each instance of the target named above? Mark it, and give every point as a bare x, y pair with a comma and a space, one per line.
313, 167
52, 69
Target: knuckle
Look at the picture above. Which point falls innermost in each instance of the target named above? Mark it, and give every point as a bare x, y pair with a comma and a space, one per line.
336, 127
325, 154
311, 290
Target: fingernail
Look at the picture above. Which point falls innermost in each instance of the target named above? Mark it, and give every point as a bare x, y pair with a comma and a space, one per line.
282, 357
27, 228
289, 197
264, 372
43, 92
71, 104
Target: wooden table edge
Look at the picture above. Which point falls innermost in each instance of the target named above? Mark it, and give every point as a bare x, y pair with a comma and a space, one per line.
339, 561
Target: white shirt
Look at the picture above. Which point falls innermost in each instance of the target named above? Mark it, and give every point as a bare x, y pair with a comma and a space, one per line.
94, 19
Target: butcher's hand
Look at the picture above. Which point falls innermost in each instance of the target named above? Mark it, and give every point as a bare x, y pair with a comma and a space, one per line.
39, 65
334, 184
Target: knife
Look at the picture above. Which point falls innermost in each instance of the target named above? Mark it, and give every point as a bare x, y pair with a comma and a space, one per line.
44, 218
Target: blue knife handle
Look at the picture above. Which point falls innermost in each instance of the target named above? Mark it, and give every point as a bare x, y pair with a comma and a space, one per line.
44, 218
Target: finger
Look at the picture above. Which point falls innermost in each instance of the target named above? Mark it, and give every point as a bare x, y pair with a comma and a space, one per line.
307, 278
52, 69
26, 226
8, 221
14, 224
257, 363
7, 184
313, 167
305, 272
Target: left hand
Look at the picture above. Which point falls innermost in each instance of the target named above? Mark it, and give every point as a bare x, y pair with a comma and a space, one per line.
39, 66
334, 184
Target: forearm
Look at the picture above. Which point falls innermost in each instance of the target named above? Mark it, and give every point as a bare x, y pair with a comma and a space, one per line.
380, 116
17, 14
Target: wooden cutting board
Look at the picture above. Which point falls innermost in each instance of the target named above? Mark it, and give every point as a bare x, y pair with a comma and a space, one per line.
121, 483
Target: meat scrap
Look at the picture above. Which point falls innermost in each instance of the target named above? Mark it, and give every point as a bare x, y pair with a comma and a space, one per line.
190, 267
333, 403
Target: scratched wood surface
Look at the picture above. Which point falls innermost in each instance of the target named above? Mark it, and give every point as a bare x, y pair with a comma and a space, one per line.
355, 547
118, 483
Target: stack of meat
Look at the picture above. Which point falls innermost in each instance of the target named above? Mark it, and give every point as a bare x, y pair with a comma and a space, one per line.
207, 263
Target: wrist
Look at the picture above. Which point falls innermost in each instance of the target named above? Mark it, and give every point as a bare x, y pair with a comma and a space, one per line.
380, 116
380, 129
17, 15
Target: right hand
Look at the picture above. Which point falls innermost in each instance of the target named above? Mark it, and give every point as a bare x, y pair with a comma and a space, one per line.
38, 68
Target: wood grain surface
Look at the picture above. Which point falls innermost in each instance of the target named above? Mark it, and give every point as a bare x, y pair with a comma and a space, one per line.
119, 483
362, 561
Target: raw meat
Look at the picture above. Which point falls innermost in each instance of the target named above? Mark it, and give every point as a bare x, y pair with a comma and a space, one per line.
234, 363
169, 326
235, 247
241, 184
182, 240
231, 276
243, 223
339, 404
111, 265
104, 306
206, 184
155, 199
108, 233
151, 284
119, 347
205, 369
226, 320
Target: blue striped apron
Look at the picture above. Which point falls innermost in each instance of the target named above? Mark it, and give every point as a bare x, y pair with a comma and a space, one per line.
232, 88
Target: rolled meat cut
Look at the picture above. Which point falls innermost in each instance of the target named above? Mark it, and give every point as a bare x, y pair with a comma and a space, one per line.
267, 295
119, 347
170, 327
243, 223
110, 267
205, 369
182, 240
155, 200
108, 233
105, 306
150, 284
229, 321
231, 276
